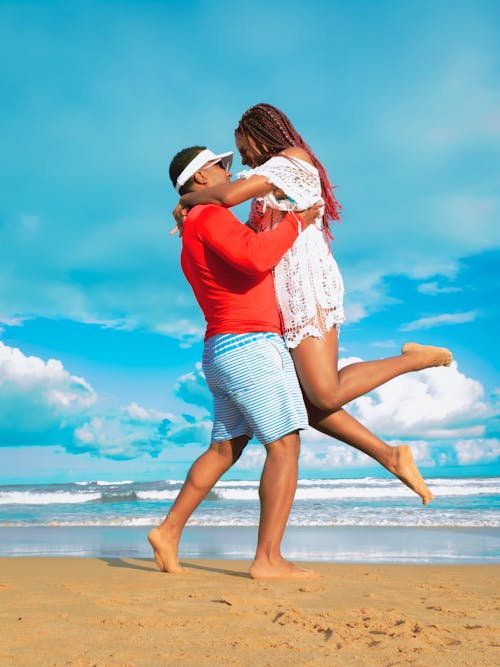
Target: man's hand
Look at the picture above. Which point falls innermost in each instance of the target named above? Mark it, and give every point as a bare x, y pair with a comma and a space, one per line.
310, 215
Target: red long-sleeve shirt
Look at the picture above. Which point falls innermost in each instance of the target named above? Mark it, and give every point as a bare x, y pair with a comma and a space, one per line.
228, 267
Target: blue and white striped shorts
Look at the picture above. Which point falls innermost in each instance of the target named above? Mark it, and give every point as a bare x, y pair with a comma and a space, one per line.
254, 385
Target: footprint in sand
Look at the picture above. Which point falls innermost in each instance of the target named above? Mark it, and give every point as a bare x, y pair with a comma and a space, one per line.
309, 622
311, 589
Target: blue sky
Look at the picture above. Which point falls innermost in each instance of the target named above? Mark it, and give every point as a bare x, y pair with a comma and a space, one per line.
99, 333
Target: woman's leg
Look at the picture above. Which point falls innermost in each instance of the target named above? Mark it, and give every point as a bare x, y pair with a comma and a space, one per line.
397, 460
203, 474
329, 389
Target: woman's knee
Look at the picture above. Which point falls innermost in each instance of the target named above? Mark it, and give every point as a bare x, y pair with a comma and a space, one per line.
325, 398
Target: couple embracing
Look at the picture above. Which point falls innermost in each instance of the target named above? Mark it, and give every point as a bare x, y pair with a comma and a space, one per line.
271, 293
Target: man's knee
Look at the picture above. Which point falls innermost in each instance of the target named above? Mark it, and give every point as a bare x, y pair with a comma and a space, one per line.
285, 447
230, 450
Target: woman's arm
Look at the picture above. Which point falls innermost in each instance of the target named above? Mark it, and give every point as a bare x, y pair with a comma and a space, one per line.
232, 194
228, 194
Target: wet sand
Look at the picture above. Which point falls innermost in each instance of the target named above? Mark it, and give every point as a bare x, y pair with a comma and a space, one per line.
80, 612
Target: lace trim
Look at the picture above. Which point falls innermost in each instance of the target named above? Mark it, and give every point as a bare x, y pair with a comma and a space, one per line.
335, 319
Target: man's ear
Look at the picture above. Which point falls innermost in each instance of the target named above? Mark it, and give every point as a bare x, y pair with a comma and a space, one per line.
200, 177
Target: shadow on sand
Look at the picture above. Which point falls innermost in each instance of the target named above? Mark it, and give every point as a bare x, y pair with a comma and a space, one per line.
151, 567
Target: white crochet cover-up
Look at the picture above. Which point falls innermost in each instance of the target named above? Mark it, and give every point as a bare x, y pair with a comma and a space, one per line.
308, 284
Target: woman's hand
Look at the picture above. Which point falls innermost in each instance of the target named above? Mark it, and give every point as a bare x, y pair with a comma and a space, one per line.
179, 214
279, 194
310, 215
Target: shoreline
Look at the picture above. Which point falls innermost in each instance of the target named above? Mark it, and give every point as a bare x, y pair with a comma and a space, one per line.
116, 612
333, 544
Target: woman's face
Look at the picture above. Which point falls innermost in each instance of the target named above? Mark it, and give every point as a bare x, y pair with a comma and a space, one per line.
250, 155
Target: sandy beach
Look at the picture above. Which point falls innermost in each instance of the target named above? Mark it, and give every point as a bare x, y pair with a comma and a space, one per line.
81, 612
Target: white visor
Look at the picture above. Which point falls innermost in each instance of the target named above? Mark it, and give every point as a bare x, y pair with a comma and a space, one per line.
203, 160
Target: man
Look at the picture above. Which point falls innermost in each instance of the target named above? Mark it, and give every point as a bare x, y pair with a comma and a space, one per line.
246, 364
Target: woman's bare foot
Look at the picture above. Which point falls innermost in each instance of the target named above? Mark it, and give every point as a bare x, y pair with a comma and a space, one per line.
280, 569
405, 469
427, 356
165, 546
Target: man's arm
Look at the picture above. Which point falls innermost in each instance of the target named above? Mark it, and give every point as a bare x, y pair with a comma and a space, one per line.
247, 251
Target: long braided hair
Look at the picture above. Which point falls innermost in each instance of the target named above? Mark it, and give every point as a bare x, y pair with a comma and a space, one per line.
272, 132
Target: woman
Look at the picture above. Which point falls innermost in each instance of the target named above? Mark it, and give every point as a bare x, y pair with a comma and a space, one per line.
286, 175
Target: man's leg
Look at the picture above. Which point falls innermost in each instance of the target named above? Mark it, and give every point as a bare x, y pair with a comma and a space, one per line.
202, 476
257, 391
277, 490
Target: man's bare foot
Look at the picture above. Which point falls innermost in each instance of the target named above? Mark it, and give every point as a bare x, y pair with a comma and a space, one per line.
427, 356
165, 550
405, 469
280, 569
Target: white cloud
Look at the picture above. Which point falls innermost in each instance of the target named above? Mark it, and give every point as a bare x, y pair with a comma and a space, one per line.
325, 454
432, 288
322, 453
355, 312
335, 456
144, 415
440, 320
41, 403
389, 344
192, 388
35, 394
12, 321
463, 432
318, 452
473, 451
186, 331
435, 401
440, 404
253, 457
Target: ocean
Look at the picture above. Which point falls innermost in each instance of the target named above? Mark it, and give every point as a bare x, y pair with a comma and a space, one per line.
370, 520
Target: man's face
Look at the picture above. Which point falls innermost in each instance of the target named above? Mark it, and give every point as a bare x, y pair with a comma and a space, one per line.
217, 174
